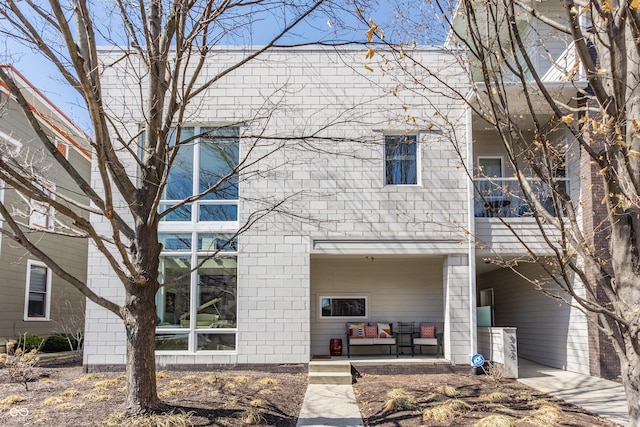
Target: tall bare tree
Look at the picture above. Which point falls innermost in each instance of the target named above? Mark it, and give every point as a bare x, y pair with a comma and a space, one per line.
170, 41
523, 88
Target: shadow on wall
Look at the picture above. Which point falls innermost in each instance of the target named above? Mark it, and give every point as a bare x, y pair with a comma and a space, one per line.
544, 325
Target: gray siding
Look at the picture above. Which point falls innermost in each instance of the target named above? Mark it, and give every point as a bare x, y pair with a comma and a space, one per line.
67, 303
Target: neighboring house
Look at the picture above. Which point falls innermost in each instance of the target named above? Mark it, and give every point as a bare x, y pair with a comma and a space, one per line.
548, 332
34, 300
376, 225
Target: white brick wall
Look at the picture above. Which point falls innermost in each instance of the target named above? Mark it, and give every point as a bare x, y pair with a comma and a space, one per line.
334, 192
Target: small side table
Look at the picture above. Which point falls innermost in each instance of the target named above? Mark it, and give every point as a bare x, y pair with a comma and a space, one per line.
404, 336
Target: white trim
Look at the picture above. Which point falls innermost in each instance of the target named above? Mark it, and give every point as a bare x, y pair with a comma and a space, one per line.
193, 330
417, 136
47, 308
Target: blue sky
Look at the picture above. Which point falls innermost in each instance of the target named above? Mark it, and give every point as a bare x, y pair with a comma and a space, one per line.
45, 77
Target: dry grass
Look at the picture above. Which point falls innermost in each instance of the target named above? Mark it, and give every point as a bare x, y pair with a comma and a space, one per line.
121, 419
496, 421
496, 397
87, 377
268, 381
212, 379
161, 375
70, 392
53, 400
258, 403
171, 391
97, 397
445, 411
399, 399
546, 415
10, 400
106, 385
241, 379
251, 417
447, 390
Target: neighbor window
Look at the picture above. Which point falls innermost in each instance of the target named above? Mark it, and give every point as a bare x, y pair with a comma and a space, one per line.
196, 303
401, 159
343, 307
42, 213
63, 148
38, 291
204, 165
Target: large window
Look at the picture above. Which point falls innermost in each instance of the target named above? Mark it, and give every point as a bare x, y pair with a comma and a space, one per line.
196, 306
401, 159
38, 291
205, 165
343, 307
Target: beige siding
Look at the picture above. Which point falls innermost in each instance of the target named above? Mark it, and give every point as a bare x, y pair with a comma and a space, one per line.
397, 289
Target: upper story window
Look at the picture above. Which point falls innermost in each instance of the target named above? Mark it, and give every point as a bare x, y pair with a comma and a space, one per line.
38, 291
401, 159
42, 213
205, 165
491, 167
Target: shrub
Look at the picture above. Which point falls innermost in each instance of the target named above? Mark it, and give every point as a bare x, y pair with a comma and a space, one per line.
28, 342
60, 342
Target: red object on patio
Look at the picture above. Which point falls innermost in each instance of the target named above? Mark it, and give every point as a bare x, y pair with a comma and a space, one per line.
335, 347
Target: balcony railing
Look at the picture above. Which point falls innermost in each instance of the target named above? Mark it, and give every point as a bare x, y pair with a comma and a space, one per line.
503, 197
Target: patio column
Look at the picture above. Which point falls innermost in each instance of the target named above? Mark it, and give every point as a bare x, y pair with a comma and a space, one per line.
457, 310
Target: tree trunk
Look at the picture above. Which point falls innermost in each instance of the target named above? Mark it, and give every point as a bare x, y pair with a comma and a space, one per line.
631, 381
140, 322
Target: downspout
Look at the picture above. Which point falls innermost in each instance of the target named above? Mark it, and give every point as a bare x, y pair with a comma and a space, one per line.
473, 330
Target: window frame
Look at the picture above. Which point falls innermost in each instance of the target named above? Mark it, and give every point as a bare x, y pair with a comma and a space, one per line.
418, 158
47, 309
49, 188
195, 206
480, 171
343, 297
193, 331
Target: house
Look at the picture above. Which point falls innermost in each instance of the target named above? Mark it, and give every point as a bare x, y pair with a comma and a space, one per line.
373, 213
374, 217
34, 300
551, 331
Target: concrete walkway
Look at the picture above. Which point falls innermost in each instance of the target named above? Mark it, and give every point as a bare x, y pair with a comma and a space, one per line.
330, 405
335, 405
603, 397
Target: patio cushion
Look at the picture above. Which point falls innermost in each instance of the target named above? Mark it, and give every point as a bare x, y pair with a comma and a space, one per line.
427, 331
384, 330
356, 330
371, 331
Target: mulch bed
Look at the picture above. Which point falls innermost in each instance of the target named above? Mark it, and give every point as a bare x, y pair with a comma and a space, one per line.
62, 395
